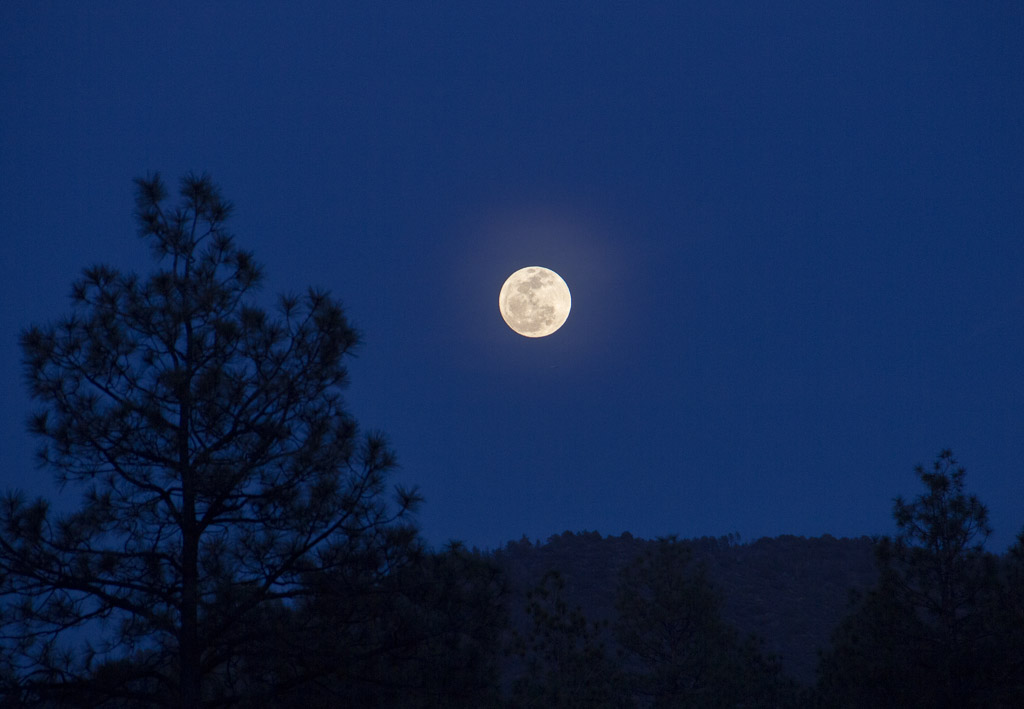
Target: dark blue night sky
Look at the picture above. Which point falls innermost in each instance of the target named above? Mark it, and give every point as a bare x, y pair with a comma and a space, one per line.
793, 231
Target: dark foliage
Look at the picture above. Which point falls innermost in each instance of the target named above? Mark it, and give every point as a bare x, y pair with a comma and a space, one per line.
1006, 617
220, 474
430, 636
677, 649
939, 629
789, 591
564, 660
636, 622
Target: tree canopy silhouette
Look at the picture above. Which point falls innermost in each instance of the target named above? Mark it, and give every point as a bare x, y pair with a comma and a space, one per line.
219, 468
929, 634
679, 651
429, 635
564, 660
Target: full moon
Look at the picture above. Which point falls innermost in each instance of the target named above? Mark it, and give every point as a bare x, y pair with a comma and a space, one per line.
534, 301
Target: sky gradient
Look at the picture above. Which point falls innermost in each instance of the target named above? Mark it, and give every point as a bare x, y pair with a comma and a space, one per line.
792, 232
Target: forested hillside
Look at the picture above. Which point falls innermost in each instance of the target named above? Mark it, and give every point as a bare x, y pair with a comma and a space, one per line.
790, 591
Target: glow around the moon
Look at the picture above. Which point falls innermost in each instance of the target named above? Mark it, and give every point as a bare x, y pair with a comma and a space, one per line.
534, 301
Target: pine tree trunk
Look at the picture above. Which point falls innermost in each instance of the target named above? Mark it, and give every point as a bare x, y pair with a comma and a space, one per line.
188, 644
189, 670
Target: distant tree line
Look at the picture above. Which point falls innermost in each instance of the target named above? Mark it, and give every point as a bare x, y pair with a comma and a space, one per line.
237, 544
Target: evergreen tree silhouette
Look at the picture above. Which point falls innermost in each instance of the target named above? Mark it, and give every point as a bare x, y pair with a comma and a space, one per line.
220, 472
566, 664
924, 637
679, 652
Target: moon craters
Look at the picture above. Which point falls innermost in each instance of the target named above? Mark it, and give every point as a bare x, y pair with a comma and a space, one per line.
534, 301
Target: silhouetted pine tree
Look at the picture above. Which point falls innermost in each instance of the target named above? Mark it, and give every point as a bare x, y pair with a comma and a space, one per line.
678, 650
429, 636
221, 475
924, 637
565, 663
